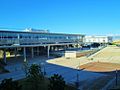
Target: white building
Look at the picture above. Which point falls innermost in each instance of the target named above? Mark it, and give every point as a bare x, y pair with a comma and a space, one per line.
97, 39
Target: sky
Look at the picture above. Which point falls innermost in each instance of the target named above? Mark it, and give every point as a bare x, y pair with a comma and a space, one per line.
89, 17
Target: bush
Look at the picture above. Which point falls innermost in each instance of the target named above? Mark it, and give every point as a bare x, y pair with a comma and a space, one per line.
9, 84
56, 82
34, 77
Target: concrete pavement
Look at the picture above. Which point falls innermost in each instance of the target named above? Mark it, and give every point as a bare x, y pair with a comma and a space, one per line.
69, 73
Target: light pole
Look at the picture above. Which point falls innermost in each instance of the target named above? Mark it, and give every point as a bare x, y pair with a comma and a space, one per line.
77, 78
43, 66
116, 76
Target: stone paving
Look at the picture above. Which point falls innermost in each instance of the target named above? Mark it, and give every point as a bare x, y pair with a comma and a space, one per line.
110, 54
68, 72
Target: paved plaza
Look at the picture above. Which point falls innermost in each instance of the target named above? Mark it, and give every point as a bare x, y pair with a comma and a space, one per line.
68, 72
69, 68
110, 54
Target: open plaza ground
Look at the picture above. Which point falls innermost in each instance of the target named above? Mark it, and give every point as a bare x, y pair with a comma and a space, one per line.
110, 54
105, 61
95, 72
100, 67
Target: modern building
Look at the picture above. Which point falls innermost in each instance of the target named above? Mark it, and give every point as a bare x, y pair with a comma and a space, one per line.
97, 39
32, 38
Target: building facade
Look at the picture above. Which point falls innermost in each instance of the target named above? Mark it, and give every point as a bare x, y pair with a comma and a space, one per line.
32, 41
36, 37
97, 39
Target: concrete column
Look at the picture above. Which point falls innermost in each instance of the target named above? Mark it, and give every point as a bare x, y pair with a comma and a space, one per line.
4, 56
65, 47
38, 51
61, 47
24, 54
15, 51
48, 49
68, 46
51, 48
58, 48
32, 52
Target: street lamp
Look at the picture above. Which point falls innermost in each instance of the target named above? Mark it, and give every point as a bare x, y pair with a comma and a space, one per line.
77, 78
43, 66
116, 76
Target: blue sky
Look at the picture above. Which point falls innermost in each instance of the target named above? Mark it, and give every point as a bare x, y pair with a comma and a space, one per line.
90, 17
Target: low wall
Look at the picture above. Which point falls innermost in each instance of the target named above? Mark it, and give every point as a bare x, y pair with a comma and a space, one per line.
77, 54
70, 54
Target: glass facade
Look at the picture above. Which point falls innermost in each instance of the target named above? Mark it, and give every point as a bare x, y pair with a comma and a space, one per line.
28, 38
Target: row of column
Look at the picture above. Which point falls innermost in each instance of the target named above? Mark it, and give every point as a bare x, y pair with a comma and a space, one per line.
24, 53
32, 52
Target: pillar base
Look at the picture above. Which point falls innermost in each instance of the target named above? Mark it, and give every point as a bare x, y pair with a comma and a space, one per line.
48, 50
25, 54
4, 56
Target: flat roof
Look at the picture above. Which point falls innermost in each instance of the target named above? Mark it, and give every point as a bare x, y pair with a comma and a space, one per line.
96, 36
32, 32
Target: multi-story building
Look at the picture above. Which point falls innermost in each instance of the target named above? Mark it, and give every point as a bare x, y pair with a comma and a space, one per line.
97, 39
35, 39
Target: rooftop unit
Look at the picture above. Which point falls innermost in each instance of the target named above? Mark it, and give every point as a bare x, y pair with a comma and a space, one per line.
36, 30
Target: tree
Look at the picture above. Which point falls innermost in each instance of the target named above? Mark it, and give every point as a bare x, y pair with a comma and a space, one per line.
34, 77
9, 84
95, 45
56, 82
35, 71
